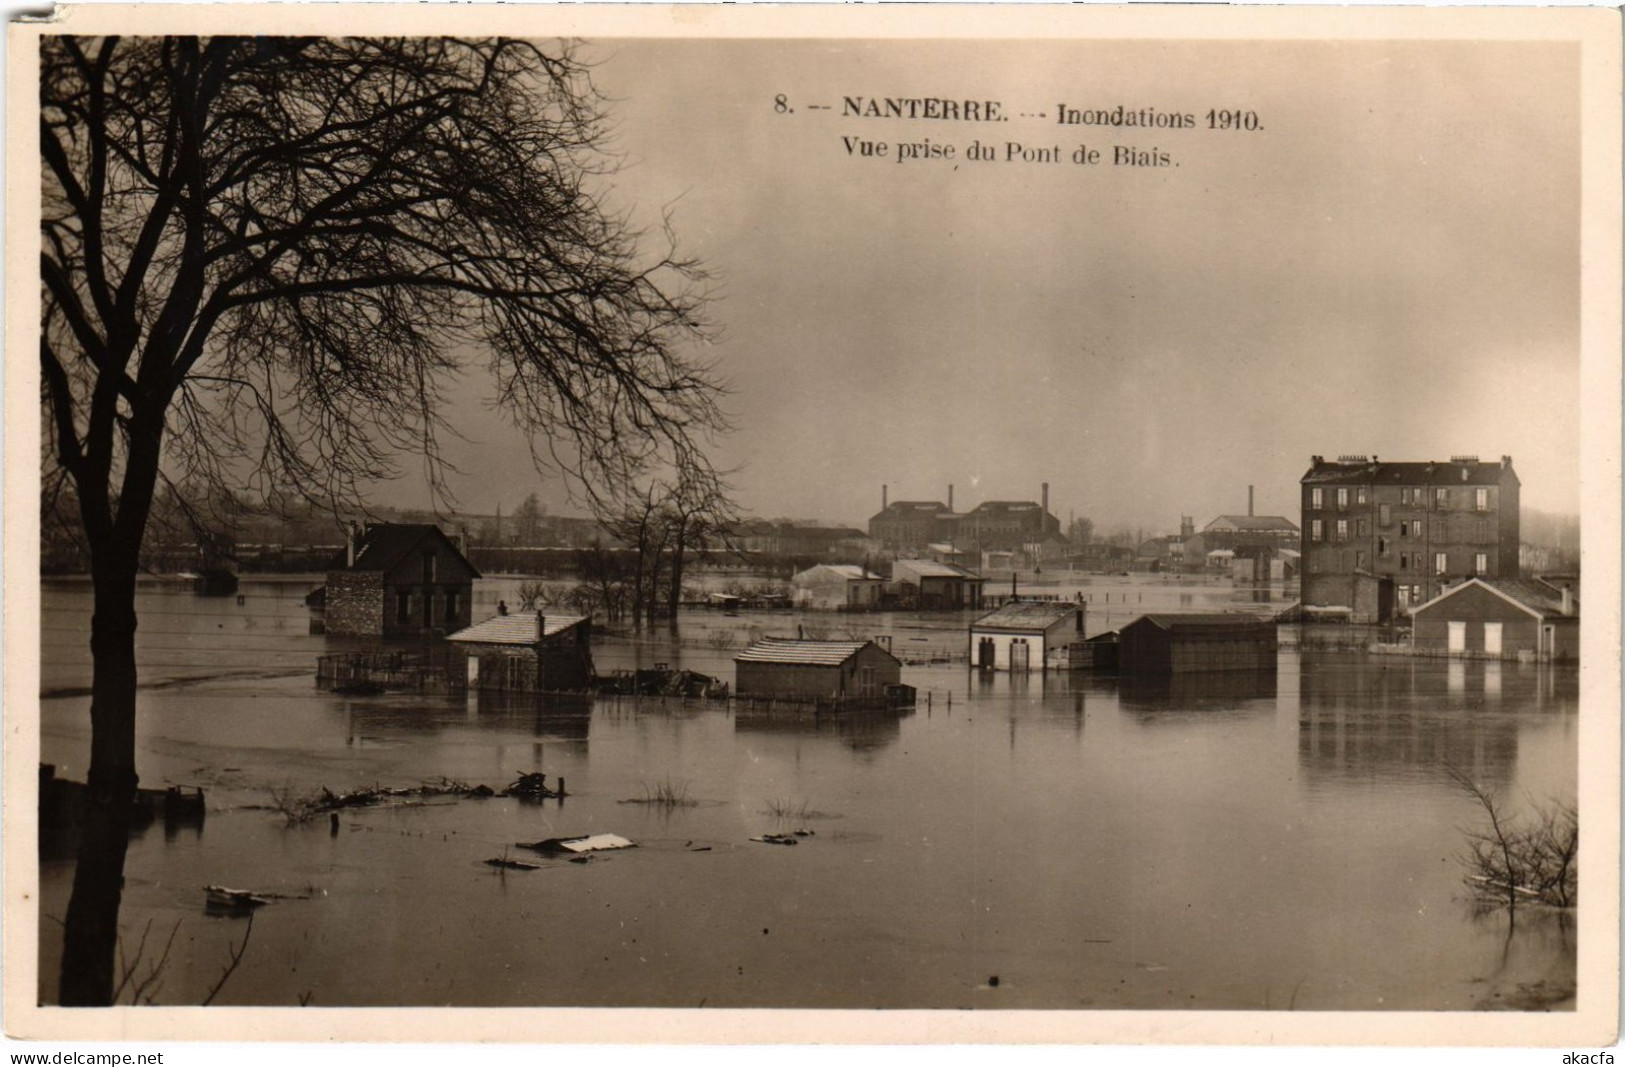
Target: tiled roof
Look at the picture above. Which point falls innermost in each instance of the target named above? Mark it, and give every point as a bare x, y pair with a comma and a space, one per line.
1431, 472
1254, 523
517, 629
1532, 593
383, 545
1026, 615
795, 652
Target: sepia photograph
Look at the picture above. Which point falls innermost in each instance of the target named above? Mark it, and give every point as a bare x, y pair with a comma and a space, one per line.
1068, 521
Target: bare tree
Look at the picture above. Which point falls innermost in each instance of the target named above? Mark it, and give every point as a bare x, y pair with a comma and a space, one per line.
262, 259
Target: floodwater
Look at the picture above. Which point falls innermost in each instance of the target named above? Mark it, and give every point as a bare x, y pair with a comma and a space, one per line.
1284, 841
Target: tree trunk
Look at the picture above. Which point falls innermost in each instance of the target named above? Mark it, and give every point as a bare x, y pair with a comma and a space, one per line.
90, 938
677, 579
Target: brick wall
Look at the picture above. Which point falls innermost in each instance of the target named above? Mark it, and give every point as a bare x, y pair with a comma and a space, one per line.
355, 604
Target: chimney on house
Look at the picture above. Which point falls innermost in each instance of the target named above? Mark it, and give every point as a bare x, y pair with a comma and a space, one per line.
541, 627
950, 496
1249, 501
1046, 498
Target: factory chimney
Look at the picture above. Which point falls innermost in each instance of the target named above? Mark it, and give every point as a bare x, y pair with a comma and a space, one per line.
883, 498
1249, 501
1046, 498
950, 497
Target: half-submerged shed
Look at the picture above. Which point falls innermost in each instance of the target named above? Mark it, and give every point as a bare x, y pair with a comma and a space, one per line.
848, 672
529, 653
1173, 643
1028, 635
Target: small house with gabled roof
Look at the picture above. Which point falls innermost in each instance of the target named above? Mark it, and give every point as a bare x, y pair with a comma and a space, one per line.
398, 580
837, 587
1500, 618
931, 586
1028, 635
850, 672
528, 652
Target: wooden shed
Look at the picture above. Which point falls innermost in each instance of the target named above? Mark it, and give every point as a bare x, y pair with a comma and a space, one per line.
529, 653
1500, 618
1028, 635
1176, 643
851, 672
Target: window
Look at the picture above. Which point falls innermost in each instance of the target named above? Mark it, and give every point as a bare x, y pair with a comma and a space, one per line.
1359, 495
1404, 529
1385, 515
1404, 561
1441, 563
1362, 527
1481, 563
1316, 498
1382, 547
1342, 529
1316, 530
1441, 498
403, 607
1342, 498
1481, 500
1404, 496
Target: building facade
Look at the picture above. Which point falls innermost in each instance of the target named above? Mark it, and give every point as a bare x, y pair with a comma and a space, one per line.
1028, 636
1508, 618
398, 580
1382, 538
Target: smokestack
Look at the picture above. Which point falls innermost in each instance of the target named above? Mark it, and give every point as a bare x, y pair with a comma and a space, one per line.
883, 489
950, 496
1046, 498
541, 627
1249, 501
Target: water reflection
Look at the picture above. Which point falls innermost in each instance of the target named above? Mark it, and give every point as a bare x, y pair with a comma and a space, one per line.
1367, 718
860, 731
1197, 691
379, 720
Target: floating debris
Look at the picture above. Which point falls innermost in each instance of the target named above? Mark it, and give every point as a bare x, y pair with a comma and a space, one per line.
591, 843
222, 899
533, 786
513, 865
777, 839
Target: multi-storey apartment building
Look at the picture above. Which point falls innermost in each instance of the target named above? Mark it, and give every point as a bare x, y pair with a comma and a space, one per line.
1377, 536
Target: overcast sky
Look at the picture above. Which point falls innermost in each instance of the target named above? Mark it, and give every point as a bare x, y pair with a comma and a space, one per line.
1390, 266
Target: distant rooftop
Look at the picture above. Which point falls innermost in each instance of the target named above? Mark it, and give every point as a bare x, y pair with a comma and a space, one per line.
1458, 470
1253, 523
1194, 619
930, 568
